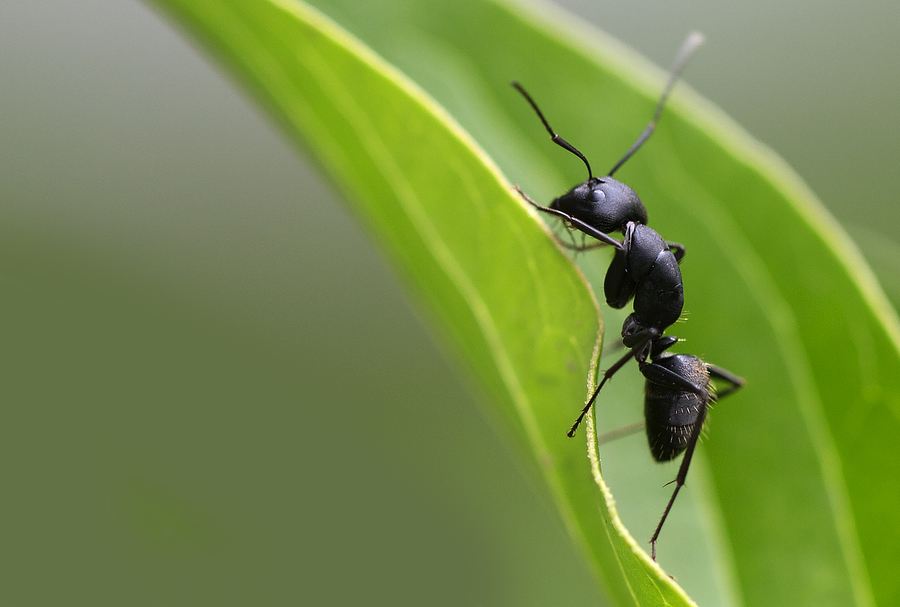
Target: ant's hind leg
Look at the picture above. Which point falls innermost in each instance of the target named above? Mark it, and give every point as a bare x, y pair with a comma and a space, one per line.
677, 249
736, 382
608, 437
682, 475
661, 376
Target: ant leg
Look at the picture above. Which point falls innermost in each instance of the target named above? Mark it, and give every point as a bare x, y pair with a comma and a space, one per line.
727, 376
657, 346
608, 437
662, 344
584, 227
682, 474
608, 350
554, 137
606, 377
618, 285
571, 244
580, 248
684, 53
664, 377
677, 249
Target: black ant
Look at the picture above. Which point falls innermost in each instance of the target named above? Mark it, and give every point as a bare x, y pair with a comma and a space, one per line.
645, 268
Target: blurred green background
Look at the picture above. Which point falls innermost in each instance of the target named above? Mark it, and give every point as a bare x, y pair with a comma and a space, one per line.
216, 391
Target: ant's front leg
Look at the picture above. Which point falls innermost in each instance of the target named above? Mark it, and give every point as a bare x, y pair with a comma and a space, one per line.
581, 248
618, 285
581, 225
610, 348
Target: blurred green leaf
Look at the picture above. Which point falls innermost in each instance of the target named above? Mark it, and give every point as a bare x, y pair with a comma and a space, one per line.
482, 262
793, 499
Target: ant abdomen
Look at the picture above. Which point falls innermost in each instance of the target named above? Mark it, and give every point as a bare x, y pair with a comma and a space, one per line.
670, 410
670, 420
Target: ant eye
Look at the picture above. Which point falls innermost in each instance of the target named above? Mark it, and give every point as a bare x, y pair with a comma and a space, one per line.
598, 195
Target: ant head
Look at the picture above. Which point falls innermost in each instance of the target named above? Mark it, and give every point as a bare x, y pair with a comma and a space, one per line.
604, 203
635, 332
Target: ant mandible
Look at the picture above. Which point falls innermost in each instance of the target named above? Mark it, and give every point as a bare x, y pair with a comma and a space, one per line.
645, 268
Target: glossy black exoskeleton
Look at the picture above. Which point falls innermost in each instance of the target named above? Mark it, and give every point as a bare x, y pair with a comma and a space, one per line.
645, 266
645, 269
603, 203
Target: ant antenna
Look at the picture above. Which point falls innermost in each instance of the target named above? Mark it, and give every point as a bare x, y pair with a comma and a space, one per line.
553, 136
694, 40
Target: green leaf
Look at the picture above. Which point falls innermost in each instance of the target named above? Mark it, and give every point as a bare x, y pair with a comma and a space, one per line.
483, 263
792, 499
